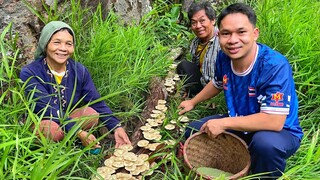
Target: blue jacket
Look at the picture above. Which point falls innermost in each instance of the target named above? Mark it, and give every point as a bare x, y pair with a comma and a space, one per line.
54, 99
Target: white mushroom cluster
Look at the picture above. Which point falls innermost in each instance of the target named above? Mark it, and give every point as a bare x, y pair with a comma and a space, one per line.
172, 78
150, 130
125, 165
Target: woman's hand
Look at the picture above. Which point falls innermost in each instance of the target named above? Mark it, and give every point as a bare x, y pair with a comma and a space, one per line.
87, 139
121, 137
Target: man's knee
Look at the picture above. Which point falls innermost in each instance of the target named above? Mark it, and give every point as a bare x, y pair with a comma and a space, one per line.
263, 145
190, 130
181, 67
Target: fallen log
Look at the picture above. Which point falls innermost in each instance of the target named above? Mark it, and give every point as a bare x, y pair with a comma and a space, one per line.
156, 91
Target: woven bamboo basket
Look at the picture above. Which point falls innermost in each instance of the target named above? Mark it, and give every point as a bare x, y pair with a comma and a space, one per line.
226, 152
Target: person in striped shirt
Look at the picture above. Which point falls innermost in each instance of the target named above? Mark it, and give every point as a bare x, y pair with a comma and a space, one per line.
203, 49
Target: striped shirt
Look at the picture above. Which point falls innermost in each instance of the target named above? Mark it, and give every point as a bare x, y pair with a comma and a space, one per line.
209, 58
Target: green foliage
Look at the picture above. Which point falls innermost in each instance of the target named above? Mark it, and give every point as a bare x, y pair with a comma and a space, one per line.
123, 59
283, 27
53, 12
168, 23
291, 27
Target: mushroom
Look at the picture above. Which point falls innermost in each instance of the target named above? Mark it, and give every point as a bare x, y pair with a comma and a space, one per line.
173, 66
119, 152
143, 156
126, 147
169, 127
130, 156
162, 102
145, 128
183, 119
143, 143
157, 111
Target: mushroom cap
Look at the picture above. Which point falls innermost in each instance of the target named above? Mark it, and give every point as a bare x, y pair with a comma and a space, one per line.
128, 163
170, 142
108, 162
168, 84
169, 126
162, 102
143, 143
153, 123
154, 115
145, 128
159, 121
149, 136
143, 156
130, 168
130, 156
118, 164
157, 111
139, 162
176, 78
162, 108
153, 146
119, 152
173, 122
173, 66
105, 170
126, 147
158, 137
123, 175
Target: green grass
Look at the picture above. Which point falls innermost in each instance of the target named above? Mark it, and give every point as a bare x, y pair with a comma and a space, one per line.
122, 59
291, 27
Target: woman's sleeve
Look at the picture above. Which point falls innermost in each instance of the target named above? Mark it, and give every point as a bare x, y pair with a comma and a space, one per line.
90, 94
37, 89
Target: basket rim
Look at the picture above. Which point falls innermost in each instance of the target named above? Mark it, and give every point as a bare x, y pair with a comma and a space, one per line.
235, 176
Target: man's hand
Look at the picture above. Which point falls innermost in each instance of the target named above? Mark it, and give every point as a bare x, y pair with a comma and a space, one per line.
121, 137
87, 139
185, 106
213, 127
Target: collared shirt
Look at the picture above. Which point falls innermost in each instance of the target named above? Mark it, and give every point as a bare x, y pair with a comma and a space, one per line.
266, 86
210, 57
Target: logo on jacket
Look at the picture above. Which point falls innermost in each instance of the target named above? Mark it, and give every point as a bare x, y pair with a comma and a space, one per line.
277, 99
251, 91
225, 82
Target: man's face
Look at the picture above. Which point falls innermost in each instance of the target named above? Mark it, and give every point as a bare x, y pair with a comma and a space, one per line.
238, 36
202, 26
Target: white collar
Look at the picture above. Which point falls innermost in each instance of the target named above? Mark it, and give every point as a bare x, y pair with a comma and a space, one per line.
247, 71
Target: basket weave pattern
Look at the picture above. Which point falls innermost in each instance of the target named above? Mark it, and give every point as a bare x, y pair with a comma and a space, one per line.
226, 152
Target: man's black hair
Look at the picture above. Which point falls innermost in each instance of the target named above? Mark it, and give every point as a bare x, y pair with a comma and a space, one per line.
238, 8
198, 6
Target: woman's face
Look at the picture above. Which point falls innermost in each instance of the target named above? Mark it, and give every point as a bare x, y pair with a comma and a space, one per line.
202, 26
59, 48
